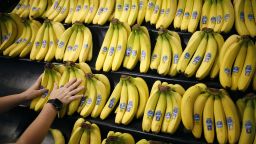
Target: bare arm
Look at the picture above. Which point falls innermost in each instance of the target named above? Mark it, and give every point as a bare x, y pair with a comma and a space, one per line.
8, 102
36, 132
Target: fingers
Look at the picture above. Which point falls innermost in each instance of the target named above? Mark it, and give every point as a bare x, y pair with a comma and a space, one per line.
75, 97
77, 90
74, 85
38, 81
55, 86
70, 83
42, 91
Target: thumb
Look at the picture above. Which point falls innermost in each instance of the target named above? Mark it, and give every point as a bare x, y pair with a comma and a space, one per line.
42, 91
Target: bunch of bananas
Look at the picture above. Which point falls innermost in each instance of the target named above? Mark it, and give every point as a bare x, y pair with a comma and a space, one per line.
138, 49
247, 107
11, 28
118, 137
210, 110
75, 43
84, 132
129, 11
160, 12
25, 36
32, 8
200, 57
50, 76
237, 63
245, 12
113, 47
188, 15
163, 111
45, 39
166, 53
218, 15
57, 136
97, 92
132, 94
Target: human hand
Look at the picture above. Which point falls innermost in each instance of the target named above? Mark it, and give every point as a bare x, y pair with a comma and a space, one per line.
67, 93
34, 90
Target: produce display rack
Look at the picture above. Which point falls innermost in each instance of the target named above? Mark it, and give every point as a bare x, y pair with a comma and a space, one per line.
17, 74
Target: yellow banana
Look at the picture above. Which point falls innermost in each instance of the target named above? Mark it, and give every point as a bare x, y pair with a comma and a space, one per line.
187, 15
205, 19
228, 16
208, 120
196, 15
57, 136
166, 53
179, 13
156, 55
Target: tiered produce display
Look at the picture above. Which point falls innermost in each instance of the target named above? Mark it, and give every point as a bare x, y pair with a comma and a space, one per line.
180, 71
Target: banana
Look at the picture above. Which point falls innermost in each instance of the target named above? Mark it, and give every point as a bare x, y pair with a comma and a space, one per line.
177, 88
86, 44
105, 81
162, 10
231, 117
219, 16
195, 16
78, 10
90, 100
43, 84
127, 4
112, 101
226, 64
240, 104
135, 52
52, 44
197, 59
122, 104
166, 57
101, 97
168, 112
248, 128
112, 50
240, 18
17, 7
150, 107
58, 28
238, 65
38, 42
228, 16
156, 55
119, 8
57, 136
159, 113
150, 9
212, 15
104, 48
169, 14
132, 103
179, 13
129, 48
192, 45
208, 119
231, 40
62, 43
176, 53
143, 94
52, 8
216, 66
187, 104
99, 12
142, 141
220, 121
176, 113
74, 55
156, 12
133, 12
76, 135
187, 15
145, 47
120, 48
198, 114
126, 138
205, 19
109, 7
248, 68
209, 57
142, 11
71, 11
95, 135
249, 18
71, 44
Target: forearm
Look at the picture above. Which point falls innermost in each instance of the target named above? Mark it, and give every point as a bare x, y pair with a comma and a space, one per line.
8, 102
36, 132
